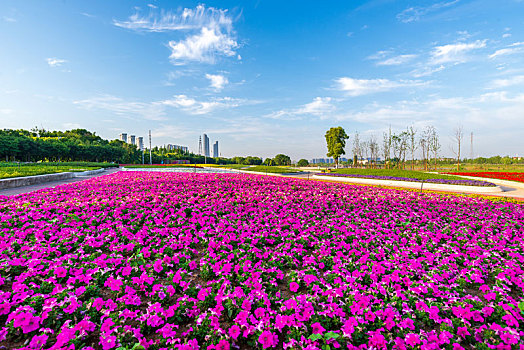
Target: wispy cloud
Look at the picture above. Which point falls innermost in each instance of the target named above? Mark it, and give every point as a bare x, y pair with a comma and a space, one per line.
357, 87
156, 110
512, 49
414, 14
502, 83
119, 106
9, 19
396, 60
193, 106
212, 32
455, 53
55, 62
217, 81
319, 107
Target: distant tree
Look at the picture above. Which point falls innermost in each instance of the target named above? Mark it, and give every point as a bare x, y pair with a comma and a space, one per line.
336, 142
434, 144
386, 147
357, 148
269, 162
373, 149
457, 138
302, 162
282, 159
412, 144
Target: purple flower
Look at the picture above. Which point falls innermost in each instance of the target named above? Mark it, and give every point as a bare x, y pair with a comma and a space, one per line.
293, 286
234, 331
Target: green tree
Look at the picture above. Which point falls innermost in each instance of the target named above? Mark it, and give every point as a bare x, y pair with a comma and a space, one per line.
282, 159
302, 162
336, 142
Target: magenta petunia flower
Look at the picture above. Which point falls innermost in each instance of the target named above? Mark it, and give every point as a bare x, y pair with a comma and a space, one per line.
293, 286
267, 339
317, 328
222, 345
38, 341
234, 331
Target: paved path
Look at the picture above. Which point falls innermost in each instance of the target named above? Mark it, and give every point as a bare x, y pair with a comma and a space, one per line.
31, 188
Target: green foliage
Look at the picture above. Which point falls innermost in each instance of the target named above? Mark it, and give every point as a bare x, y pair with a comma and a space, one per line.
282, 159
336, 142
302, 162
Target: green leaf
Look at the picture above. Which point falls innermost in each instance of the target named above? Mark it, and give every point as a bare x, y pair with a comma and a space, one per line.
331, 335
521, 306
315, 337
137, 346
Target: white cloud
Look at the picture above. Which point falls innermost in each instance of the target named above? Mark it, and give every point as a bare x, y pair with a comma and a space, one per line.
426, 70
512, 49
217, 81
502, 83
319, 107
9, 19
454, 53
119, 106
192, 106
202, 47
396, 60
413, 14
506, 35
211, 32
55, 62
357, 87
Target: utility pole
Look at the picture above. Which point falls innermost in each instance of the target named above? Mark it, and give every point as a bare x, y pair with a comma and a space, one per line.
150, 153
471, 147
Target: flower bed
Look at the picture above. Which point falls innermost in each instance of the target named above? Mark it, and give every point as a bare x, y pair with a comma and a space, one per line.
217, 261
519, 177
461, 182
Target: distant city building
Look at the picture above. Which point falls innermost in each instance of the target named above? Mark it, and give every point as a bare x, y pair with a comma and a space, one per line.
327, 160
171, 147
215, 150
123, 137
206, 145
132, 139
141, 143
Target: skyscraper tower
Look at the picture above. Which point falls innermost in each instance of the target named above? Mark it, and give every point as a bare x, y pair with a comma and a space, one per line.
215, 150
132, 139
141, 143
123, 137
206, 145
200, 145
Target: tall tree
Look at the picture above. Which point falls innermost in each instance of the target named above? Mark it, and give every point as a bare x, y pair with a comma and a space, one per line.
336, 142
457, 137
434, 145
386, 147
412, 144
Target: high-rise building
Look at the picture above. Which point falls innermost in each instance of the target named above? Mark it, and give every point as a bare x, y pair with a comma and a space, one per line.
215, 150
141, 143
206, 145
132, 139
171, 147
123, 137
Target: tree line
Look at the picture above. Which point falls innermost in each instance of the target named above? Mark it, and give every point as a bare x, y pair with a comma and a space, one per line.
399, 149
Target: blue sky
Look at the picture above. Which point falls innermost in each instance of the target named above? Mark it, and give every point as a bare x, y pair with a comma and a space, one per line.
266, 77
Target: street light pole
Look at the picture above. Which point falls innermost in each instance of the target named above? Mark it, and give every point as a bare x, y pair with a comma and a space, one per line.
150, 153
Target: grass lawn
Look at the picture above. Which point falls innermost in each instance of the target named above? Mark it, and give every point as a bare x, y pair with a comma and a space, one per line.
396, 173
272, 169
11, 171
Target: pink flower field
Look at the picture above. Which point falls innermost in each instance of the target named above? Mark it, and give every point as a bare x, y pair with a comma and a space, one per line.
145, 260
